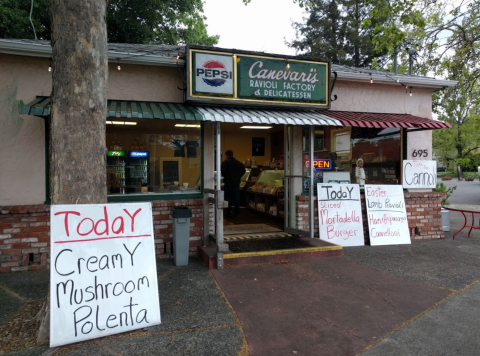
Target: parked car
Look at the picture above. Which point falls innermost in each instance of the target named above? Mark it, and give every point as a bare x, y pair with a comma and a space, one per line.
441, 169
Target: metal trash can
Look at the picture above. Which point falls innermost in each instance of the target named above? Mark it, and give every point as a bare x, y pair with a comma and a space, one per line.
445, 219
181, 234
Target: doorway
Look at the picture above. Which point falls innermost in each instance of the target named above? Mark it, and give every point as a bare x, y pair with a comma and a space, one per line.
261, 149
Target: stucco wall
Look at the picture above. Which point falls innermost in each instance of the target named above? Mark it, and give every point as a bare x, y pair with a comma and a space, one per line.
394, 99
22, 137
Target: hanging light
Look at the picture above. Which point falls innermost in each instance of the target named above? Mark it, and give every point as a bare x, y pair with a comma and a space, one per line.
288, 64
118, 64
411, 91
371, 79
50, 66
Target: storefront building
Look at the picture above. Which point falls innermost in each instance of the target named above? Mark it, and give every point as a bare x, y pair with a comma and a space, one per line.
174, 111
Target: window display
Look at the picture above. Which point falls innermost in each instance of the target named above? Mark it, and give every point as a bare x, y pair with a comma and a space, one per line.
153, 157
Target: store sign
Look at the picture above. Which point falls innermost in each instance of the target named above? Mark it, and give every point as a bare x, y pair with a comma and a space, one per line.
320, 164
103, 276
256, 79
213, 73
116, 153
386, 215
340, 214
281, 80
138, 154
419, 174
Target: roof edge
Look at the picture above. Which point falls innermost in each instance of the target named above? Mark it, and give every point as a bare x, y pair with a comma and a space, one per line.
402, 80
44, 51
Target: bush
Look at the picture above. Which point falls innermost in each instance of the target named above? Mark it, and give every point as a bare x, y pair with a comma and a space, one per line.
442, 188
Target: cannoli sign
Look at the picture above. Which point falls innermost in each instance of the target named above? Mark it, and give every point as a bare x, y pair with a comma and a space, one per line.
250, 79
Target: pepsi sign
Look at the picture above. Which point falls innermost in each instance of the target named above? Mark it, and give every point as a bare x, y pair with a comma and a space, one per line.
213, 73
139, 154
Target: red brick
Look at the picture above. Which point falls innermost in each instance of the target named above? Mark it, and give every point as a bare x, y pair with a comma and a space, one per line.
36, 267
12, 252
24, 245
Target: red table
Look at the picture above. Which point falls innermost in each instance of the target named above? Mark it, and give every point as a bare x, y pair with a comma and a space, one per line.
466, 209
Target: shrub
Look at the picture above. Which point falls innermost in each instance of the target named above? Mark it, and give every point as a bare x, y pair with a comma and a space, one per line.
442, 188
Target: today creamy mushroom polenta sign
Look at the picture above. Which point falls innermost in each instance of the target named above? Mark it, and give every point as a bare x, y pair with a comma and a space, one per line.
103, 276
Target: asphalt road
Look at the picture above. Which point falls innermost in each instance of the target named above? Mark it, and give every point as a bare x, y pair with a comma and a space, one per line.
466, 192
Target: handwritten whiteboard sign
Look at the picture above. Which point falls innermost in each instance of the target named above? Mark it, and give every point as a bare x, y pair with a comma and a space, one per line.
419, 174
386, 215
103, 276
340, 214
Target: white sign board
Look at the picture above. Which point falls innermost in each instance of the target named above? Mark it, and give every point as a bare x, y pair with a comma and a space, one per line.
103, 276
419, 174
213, 73
340, 214
386, 215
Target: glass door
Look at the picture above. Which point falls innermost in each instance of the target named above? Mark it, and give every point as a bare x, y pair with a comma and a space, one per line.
298, 180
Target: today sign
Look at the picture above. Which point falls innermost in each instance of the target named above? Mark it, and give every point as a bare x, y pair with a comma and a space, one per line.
340, 214
103, 277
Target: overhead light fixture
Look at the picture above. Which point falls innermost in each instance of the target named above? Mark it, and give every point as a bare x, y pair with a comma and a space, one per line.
288, 64
118, 64
411, 91
371, 79
256, 127
121, 123
50, 65
186, 125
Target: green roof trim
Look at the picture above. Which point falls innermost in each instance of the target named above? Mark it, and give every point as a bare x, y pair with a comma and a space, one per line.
42, 106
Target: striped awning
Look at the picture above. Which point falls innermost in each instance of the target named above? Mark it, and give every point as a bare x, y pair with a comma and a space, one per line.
41, 106
380, 120
257, 116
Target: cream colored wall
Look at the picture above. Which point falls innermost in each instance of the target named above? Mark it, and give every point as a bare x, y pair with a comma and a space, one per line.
22, 137
381, 98
241, 145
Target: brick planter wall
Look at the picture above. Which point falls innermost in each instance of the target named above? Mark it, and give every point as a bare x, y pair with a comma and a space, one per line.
25, 233
423, 212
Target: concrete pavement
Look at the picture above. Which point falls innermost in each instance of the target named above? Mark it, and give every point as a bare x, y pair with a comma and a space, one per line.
418, 299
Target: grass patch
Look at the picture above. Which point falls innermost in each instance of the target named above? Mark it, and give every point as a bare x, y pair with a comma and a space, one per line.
454, 174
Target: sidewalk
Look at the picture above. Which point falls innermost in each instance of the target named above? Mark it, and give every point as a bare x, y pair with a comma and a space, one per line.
418, 299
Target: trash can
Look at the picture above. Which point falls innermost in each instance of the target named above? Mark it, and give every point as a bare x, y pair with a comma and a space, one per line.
445, 219
181, 234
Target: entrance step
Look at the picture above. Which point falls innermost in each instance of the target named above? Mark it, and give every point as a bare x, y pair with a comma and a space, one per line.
267, 248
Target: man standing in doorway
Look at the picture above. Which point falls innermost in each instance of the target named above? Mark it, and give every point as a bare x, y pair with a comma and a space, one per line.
232, 172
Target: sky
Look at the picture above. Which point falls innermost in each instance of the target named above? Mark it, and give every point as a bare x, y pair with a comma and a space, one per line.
262, 25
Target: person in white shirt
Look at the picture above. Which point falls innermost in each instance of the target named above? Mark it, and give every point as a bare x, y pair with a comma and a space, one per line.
360, 172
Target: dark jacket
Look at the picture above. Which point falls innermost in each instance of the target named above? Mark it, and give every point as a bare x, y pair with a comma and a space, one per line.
232, 170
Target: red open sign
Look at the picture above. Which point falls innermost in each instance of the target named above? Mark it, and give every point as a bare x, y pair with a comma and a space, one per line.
320, 164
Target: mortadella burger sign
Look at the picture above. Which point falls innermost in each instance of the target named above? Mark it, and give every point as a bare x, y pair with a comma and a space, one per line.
238, 77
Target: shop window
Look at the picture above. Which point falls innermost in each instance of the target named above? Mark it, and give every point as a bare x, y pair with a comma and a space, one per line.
335, 159
153, 157
380, 150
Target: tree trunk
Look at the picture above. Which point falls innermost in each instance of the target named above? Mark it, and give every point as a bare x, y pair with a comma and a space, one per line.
460, 172
79, 102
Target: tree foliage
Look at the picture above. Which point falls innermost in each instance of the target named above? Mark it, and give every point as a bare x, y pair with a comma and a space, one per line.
460, 107
128, 21
333, 30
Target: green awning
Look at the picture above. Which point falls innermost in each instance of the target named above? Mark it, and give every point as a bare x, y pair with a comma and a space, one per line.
41, 106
